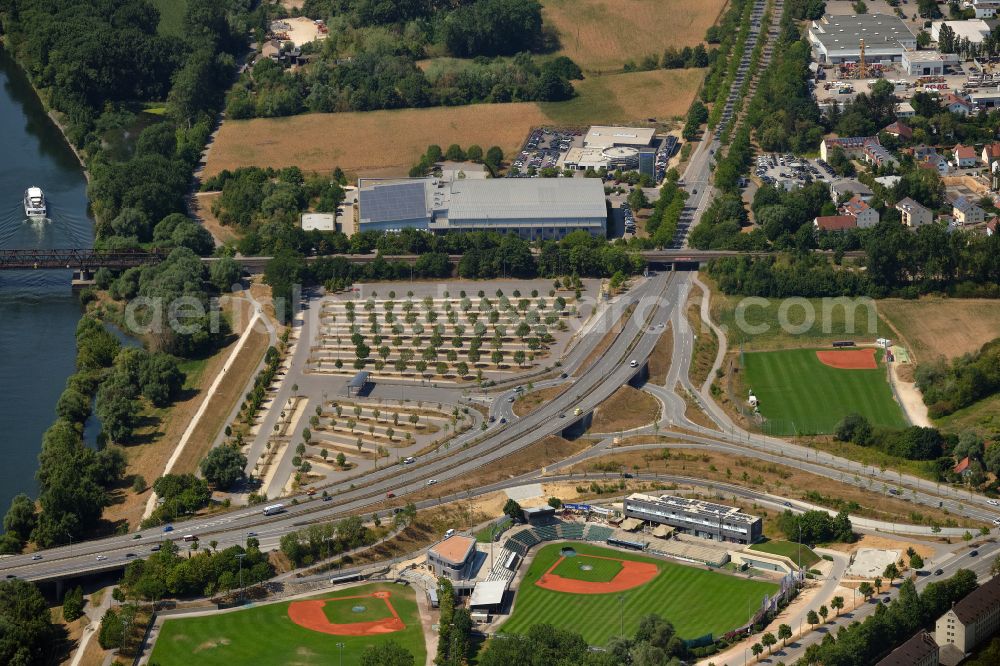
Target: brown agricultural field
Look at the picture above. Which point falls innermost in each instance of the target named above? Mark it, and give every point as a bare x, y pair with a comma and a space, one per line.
602, 34
948, 327
388, 143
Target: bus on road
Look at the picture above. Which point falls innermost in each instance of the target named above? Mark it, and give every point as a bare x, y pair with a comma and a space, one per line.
273, 509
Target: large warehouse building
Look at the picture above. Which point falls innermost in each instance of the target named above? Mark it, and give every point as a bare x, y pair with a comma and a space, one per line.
837, 39
700, 518
533, 208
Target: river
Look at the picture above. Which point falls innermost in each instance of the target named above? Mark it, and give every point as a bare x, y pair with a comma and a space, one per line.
38, 312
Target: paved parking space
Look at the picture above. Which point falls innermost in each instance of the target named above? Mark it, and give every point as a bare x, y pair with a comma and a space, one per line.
791, 171
543, 148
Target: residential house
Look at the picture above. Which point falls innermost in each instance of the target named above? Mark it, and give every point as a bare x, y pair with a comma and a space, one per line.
967, 213
991, 154
964, 157
835, 223
859, 209
992, 226
854, 146
905, 110
879, 155
921, 152
984, 8
964, 467
914, 215
921, 650
899, 130
935, 163
970, 622
957, 104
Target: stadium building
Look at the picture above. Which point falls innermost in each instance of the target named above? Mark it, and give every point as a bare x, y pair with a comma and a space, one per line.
700, 518
533, 208
837, 39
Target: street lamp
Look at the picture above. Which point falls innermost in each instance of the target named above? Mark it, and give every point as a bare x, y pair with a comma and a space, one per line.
341, 646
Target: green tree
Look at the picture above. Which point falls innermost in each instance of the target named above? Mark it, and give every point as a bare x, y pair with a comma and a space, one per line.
28, 636
513, 510
388, 653
223, 466
768, 640
837, 604
784, 633
812, 618
891, 572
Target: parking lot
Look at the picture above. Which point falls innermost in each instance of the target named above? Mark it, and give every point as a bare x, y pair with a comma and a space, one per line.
543, 148
791, 171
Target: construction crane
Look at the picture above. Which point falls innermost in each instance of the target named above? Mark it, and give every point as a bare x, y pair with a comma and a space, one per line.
862, 67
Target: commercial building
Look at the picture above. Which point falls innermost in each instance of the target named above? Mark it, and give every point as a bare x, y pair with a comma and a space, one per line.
975, 30
913, 214
626, 148
921, 650
927, 63
453, 558
533, 208
698, 517
837, 39
984, 8
601, 136
971, 621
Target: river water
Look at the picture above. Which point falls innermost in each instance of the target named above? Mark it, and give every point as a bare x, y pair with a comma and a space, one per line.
38, 312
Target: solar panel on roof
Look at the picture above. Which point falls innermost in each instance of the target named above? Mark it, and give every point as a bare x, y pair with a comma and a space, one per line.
394, 202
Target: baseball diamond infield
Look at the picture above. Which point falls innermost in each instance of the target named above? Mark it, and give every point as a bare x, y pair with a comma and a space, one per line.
310, 614
632, 574
848, 359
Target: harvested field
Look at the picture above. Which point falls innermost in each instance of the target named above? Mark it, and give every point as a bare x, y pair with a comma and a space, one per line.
394, 140
627, 408
602, 35
932, 327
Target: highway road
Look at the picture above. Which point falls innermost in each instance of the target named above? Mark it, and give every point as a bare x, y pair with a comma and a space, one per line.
654, 300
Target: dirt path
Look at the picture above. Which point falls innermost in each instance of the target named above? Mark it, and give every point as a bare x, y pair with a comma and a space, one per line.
910, 399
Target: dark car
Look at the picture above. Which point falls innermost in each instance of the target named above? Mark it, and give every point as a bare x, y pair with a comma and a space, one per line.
155, 548
328, 498
136, 536
168, 528
938, 572
563, 376
973, 553
130, 555
886, 600
788, 503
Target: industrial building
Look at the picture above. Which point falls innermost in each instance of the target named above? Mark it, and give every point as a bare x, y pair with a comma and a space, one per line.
533, 208
927, 63
698, 517
612, 148
838, 39
975, 30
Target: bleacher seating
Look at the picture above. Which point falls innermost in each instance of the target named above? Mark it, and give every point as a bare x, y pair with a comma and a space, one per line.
714, 553
571, 531
598, 533
546, 533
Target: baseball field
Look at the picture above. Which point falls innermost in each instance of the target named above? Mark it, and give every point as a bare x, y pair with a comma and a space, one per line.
301, 632
569, 592
801, 394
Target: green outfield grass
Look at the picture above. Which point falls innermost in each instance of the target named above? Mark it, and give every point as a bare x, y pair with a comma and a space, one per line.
695, 600
789, 550
601, 571
801, 396
265, 634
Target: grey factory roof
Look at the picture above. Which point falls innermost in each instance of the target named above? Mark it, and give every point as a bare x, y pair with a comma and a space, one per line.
696, 506
527, 198
391, 201
844, 32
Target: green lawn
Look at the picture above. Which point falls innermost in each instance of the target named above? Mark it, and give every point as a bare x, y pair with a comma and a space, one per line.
265, 634
801, 396
171, 16
599, 571
789, 550
982, 417
695, 600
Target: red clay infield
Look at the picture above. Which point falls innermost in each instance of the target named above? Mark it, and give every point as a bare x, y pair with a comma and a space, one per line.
848, 359
633, 574
309, 614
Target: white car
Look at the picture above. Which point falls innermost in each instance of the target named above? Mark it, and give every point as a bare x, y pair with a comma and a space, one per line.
101, 558
996, 521
993, 502
431, 482
634, 363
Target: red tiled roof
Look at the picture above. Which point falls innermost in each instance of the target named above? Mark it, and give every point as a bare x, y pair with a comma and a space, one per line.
962, 465
965, 152
836, 222
899, 129
952, 98
992, 151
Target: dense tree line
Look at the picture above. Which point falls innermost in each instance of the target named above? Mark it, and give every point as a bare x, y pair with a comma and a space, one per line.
256, 198
890, 625
168, 573
180, 495
814, 527
98, 63
28, 636
455, 627
913, 443
655, 643
325, 540
369, 60
492, 158
948, 386
729, 30
662, 223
